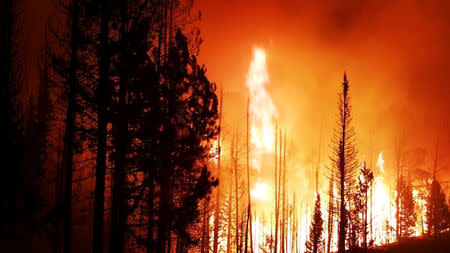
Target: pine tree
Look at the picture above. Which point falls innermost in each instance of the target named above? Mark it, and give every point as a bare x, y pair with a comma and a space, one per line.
364, 184
190, 112
437, 210
315, 241
407, 215
344, 161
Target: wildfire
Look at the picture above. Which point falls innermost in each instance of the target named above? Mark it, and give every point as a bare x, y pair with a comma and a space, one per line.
262, 114
214, 150
262, 110
381, 207
380, 162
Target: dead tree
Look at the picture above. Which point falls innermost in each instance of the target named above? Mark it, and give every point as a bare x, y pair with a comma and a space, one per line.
218, 190
276, 191
249, 207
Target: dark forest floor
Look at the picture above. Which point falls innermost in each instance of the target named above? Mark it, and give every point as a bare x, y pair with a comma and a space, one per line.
440, 243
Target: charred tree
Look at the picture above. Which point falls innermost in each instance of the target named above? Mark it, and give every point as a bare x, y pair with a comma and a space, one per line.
218, 189
277, 208
331, 211
249, 205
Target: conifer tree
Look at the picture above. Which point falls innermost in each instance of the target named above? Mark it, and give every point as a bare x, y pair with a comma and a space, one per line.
344, 162
407, 215
315, 241
364, 183
437, 216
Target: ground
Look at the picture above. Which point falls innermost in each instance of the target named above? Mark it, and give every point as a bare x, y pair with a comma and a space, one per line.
440, 243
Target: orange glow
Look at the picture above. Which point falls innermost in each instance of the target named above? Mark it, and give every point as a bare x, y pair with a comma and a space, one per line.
260, 191
262, 110
293, 79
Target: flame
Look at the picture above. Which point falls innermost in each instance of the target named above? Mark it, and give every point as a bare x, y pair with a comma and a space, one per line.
214, 150
262, 114
262, 110
380, 162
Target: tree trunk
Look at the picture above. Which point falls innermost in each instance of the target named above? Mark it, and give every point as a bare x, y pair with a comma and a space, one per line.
249, 208
330, 212
205, 229
70, 126
101, 95
236, 190
119, 215
217, 206
230, 219
276, 193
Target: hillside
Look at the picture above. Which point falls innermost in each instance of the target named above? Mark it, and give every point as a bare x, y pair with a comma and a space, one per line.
418, 245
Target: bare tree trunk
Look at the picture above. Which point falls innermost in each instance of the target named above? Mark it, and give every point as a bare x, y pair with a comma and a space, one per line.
371, 211
101, 95
118, 216
280, 184
365, 222
218, 190
70, 126
276, 192
205, 229
294, 225
283, 199
330, 212
230, 219
397, 199
249, 208
236, 184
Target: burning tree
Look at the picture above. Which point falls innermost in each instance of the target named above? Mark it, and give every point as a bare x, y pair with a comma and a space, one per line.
315, 242
343, 160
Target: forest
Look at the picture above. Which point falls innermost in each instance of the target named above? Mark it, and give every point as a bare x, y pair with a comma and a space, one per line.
122, 141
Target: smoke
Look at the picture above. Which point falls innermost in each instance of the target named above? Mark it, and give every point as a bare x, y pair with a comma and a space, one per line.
396, 54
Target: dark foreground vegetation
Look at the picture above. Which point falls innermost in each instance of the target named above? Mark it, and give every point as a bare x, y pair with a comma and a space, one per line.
436, 244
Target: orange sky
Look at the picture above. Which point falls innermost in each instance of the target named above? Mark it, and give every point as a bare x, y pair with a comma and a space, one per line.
396, 53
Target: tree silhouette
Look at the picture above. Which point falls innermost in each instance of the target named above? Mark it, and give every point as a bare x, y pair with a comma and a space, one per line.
344, 161
19, 184
407, 215
102, 93
365, 180
437, 214
315, 241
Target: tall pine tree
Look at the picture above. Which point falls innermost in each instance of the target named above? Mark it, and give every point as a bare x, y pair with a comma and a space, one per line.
344, 162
